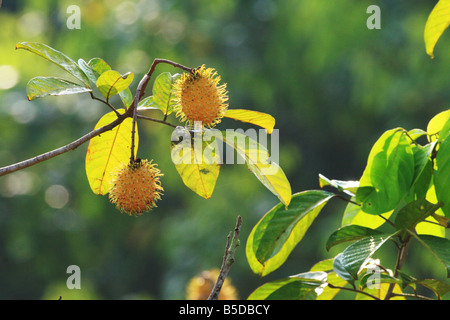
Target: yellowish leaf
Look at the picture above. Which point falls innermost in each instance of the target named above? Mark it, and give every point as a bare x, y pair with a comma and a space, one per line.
108, 151
197, 163
111, 83
261, 119
258, 160
436, 124
438, 21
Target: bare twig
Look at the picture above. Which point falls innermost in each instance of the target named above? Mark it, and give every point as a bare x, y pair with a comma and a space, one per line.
228, 259
418, 296
139, 116
105, 102
352, 290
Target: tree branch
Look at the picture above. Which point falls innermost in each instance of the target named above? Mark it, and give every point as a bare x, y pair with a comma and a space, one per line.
401, 258
228, 259
69, 147
130, 112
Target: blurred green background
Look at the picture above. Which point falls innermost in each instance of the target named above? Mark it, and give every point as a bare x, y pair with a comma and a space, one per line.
333, 85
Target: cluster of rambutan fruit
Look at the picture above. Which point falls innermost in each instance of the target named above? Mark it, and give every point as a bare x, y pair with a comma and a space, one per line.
199, 98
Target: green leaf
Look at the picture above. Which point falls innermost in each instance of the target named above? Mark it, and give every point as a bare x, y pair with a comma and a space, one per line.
163, 97
259, 163
280, 230
197, 161
147, 104
95, 68
388, 175
348, 187
440, 288
416, 133
440, 247
108, 151
58, 58
442, 176
422, 156
111, 83
42, 86
437, 22
354, 256
99, 66
353, 214
127, 97
437, 218
414, 212
304, 286
340, 270
438, 123
349, 233
332, 278
88, 71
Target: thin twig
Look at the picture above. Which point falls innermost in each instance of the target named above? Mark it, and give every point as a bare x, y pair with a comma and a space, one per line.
105, 102
418, 296
401, 258
228, 259
352, 290
139, 116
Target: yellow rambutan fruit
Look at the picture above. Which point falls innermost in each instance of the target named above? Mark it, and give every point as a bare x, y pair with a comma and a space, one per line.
136, 187
200, 287
200, 98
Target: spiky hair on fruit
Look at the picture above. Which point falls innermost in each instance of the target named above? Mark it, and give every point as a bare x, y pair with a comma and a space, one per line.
200, 98
136, 187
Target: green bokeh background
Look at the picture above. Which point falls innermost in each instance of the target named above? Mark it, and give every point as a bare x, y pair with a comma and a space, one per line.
333, 85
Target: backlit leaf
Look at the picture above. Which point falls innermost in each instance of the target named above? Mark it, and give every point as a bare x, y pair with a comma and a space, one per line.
292, 288
95, 68
414, 212
163, 97
436, 124
388, 175
58, 58
349, 233
197, 160
348, 187
439, 247
354, 256
353, 214
442, 176
437, 22
261, 119
280, 230
108, 151
111, 83
147, 104
42, 86
259, 162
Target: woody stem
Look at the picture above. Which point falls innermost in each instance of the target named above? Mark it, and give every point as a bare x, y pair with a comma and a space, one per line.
140, 93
